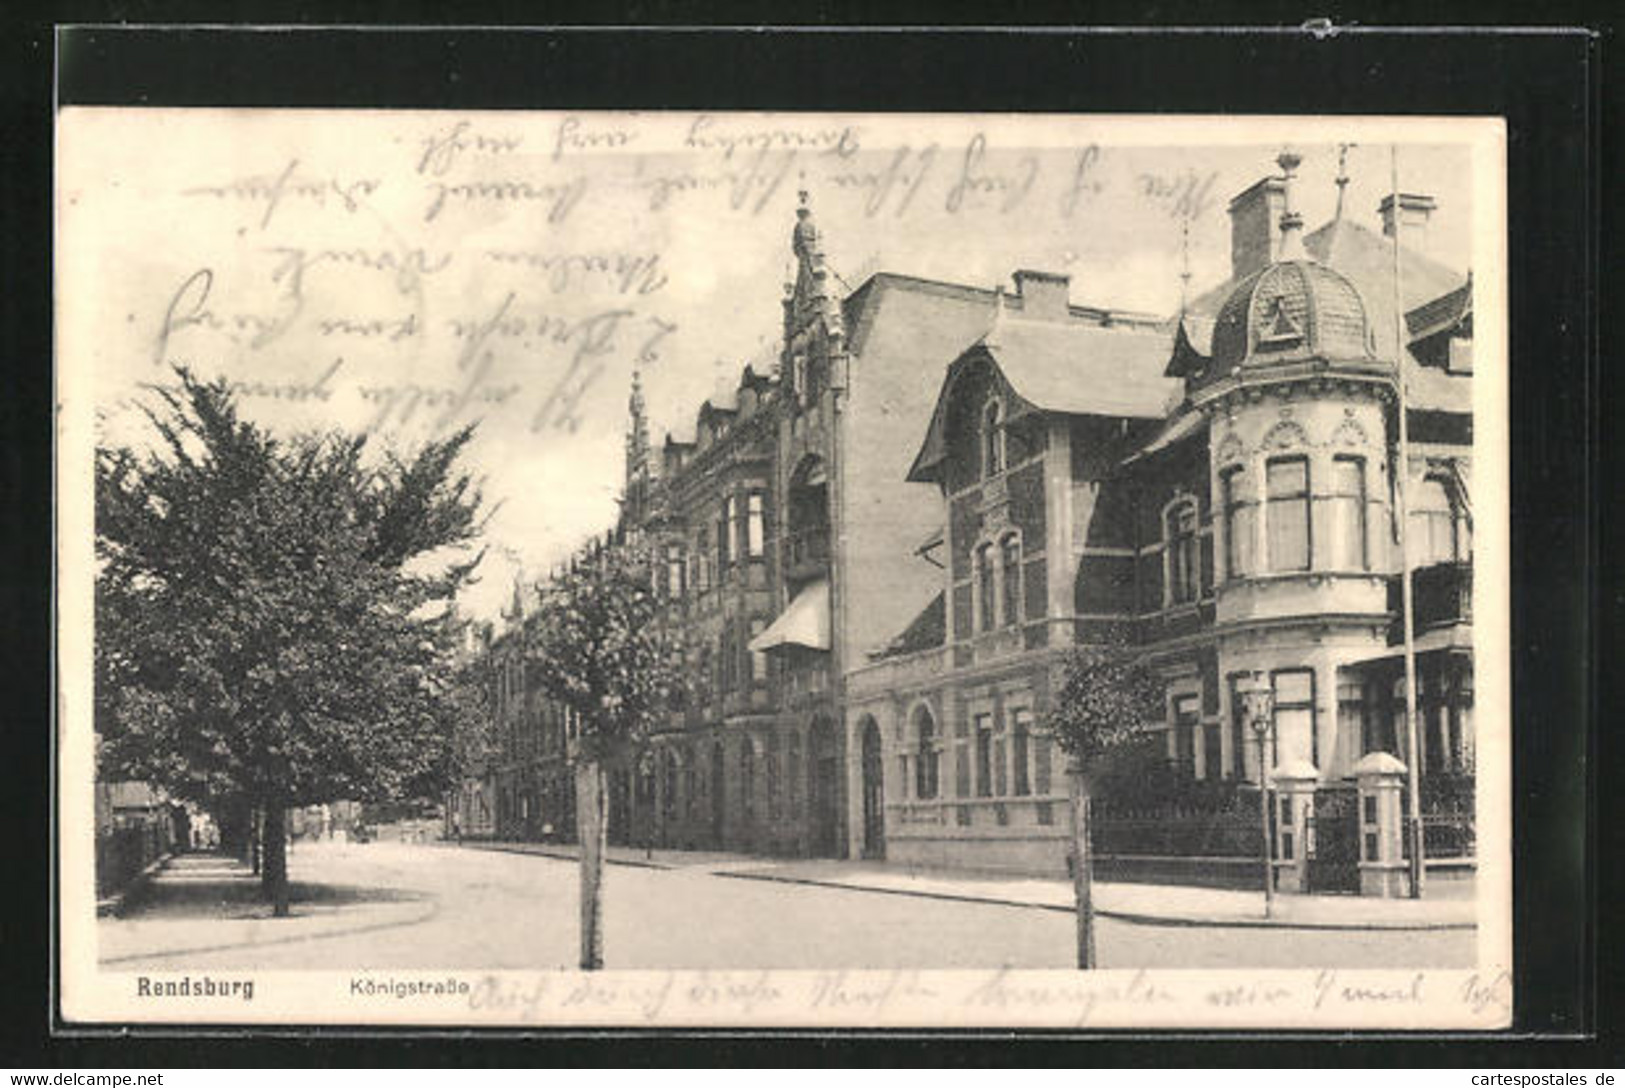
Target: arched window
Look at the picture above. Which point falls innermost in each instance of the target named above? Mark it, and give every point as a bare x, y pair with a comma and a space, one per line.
1183, 570
1010, 571
925, 765
1439, 531
993, 438
1286, 492
984, 586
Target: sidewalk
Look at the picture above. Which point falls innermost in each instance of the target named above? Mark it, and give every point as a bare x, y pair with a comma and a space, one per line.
1449, 906
207, 902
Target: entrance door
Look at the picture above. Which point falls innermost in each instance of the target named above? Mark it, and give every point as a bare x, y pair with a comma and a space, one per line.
823, 786
719, 797
874, 793
1334, 842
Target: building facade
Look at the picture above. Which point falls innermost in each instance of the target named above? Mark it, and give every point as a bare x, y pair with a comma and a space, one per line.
880, 553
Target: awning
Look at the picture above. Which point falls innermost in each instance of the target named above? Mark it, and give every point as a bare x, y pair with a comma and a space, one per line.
804, 623
1458, 637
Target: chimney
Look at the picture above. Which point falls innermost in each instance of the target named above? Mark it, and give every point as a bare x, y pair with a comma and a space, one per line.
1254, 214
1414, 210
1043, 294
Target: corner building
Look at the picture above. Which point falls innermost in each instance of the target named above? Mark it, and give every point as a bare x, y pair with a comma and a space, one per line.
1217, 494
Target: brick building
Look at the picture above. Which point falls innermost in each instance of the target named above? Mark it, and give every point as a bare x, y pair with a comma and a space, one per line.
880, 551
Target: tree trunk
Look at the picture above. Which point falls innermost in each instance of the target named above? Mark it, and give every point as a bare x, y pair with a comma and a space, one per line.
274, 878
255, 839
1083, 866
592, 828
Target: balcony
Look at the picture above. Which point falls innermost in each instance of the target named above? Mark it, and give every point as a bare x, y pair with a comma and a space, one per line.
806, 553
1442, 594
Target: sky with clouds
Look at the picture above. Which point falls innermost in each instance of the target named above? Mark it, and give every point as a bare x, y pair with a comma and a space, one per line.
408, 273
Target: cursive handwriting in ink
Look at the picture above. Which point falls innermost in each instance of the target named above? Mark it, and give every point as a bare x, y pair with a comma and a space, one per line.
974, 179
442, 149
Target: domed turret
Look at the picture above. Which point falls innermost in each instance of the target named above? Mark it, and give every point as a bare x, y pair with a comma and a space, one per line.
1288, 311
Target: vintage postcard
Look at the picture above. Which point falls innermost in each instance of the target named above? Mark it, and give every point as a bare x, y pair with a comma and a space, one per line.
802, 570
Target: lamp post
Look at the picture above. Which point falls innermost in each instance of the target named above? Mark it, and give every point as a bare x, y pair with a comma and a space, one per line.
1258, 704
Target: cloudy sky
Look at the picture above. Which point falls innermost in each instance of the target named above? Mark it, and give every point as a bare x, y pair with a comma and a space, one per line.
407, 273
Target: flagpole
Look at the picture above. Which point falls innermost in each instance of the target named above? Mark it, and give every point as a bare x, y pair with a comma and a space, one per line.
1407, 615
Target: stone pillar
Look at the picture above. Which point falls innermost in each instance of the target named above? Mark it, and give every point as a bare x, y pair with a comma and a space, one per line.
1294, 783
1381, 780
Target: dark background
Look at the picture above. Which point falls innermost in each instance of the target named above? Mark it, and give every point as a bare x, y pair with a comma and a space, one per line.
1549, 86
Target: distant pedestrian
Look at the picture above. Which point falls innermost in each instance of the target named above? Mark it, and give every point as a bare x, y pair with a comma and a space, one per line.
457, 828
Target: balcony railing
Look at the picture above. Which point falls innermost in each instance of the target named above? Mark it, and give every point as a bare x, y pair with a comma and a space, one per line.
1442, 594
806, 551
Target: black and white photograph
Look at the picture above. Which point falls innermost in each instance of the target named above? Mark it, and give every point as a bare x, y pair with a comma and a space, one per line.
782, 569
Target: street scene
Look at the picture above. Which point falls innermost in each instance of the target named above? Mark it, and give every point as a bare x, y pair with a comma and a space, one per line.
616, 542
393, 905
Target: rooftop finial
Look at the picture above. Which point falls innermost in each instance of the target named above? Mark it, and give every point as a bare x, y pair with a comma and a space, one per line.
1291, 221
1342, 175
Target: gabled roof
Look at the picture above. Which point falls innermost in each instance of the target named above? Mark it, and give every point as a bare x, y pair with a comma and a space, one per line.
927, 631
1444, 312
1070, 368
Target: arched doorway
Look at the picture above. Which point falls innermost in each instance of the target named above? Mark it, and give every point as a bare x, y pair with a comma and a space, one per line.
823, 789
719, 798
874, 792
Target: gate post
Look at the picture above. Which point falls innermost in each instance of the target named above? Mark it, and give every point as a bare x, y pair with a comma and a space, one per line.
1381, 777
1295, 783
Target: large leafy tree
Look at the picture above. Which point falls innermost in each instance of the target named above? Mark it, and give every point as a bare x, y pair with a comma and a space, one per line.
604, 654
273, 620
1107, 697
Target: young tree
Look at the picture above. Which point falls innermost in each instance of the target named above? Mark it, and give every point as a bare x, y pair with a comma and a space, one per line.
605, 656
1106, 699
272, 616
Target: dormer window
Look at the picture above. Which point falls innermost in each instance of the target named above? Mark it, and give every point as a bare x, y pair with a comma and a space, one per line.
1278, 329
993, 438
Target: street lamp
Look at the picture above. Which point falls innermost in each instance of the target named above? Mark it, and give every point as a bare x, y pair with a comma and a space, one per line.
1258, 705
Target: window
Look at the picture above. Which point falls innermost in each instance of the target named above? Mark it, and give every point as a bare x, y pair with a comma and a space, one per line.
1212, 752
984, 586
1043, 747
925, 766
702, 562
1020, 731
1295, 716
961, 759
984, 755
755, 531
993, 439
1238, 523
724, 532
1439, 531
1187, 720
1184, 570
1286, 518
1348, 513
1010, 562
773, 805
792, 770
726, 661
1001, 776
758, 659
675, 582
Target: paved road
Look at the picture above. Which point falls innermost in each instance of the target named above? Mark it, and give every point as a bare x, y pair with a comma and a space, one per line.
392, 905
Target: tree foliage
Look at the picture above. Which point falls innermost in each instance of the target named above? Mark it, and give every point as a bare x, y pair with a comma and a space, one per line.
603, 650
272, 615
1107, 697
